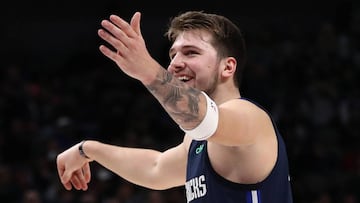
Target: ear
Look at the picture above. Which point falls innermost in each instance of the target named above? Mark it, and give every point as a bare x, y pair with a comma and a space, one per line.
229, 67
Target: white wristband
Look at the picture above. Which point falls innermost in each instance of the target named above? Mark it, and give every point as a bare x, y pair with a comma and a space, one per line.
208, 125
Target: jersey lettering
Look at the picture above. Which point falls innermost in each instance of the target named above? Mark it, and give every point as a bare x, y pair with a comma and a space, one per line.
195, 188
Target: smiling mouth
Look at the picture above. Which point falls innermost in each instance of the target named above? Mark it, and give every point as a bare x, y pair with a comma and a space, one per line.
184, 78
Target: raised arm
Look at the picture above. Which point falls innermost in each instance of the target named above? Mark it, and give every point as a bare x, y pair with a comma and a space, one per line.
186, 105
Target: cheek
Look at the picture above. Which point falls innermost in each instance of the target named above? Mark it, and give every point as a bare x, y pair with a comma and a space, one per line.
205, 72
203, 78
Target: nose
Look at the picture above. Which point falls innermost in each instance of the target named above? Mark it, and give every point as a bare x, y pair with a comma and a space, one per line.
176, 65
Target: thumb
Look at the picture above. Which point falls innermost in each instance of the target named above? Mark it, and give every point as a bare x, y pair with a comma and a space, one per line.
135, 23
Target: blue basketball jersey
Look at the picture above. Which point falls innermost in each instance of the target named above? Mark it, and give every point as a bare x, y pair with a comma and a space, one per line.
204, 184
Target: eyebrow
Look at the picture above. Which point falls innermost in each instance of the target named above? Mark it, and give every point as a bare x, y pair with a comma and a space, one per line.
171, 50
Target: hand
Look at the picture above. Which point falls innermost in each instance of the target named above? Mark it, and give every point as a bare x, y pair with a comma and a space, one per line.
73, 169
131, 54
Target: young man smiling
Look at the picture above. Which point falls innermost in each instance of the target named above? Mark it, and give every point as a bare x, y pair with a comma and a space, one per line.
231, 150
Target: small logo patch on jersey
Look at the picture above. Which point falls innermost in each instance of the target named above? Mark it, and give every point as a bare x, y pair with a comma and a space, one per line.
199, 149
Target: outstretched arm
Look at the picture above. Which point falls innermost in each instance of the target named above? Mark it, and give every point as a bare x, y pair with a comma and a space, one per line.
145, 167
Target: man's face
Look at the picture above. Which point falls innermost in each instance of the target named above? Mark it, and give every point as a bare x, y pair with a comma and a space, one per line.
194, 60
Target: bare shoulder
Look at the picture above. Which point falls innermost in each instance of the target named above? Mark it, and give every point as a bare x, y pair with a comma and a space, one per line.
241, 122
241, 105
245, 139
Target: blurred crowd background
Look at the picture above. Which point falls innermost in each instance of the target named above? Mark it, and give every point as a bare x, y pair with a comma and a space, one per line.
56, 89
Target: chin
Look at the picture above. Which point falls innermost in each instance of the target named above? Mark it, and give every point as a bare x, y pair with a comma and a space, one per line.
190, 83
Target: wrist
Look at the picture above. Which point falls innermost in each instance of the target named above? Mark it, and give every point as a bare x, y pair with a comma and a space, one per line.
153, 76
81, 150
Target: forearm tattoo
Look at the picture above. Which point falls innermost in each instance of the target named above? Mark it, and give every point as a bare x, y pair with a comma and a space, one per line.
179, 100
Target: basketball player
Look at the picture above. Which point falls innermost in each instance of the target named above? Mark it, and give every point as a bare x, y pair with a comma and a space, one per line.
231, 150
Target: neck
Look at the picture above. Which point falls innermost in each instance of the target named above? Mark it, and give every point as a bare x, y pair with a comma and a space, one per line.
221, 95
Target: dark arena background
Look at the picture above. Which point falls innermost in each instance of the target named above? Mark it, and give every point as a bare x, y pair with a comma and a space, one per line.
56, 89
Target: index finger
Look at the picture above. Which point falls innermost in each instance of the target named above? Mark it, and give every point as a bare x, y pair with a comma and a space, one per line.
60, 168
123, 25
61, 172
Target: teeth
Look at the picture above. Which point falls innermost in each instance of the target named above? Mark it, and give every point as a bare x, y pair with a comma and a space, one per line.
184, 78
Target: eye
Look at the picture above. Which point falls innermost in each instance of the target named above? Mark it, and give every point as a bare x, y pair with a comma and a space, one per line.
190, 53
171, 56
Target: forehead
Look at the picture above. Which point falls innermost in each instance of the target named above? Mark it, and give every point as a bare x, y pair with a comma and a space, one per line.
197, 38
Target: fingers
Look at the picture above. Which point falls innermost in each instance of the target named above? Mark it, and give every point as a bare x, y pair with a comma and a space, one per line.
60, 167
135, 23
118, 33
67, 185
109, 53
87, 173
113, 35
61, 170
129, 30
77, 179
64, 177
